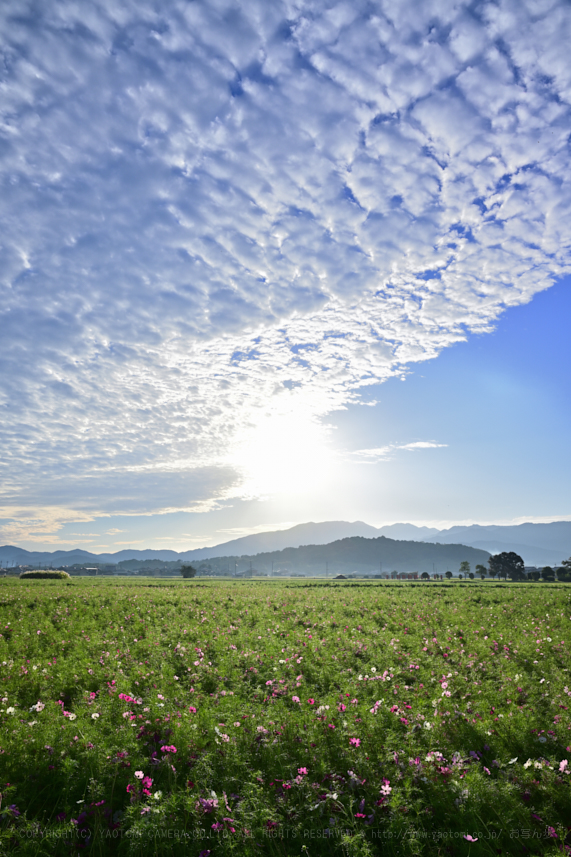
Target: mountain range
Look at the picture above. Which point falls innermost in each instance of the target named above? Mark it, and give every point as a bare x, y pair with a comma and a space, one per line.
537, 544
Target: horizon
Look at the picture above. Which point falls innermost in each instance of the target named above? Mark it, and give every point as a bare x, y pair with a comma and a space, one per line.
267, 264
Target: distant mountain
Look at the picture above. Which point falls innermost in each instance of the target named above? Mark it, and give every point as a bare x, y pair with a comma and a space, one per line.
294, 537
537, 544
407, 532
365, 556
302, 534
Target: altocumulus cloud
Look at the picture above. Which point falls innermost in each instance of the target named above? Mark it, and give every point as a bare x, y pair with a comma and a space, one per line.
213, 209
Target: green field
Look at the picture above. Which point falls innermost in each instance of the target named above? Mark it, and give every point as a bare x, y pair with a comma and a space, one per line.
217, 718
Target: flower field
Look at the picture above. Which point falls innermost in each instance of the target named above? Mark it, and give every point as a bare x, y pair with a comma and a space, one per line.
241, 718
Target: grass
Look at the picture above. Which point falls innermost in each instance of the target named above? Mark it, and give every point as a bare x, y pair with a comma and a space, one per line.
240, 718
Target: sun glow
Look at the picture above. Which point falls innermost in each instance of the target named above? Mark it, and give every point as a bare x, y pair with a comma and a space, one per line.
284, 454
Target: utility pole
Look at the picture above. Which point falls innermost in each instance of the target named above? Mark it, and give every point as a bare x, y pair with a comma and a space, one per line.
381, 568
326, 569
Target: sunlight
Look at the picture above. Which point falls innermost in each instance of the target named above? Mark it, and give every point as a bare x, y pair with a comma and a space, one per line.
284, 454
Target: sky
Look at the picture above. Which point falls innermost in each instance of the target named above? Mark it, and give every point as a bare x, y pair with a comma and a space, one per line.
264, 263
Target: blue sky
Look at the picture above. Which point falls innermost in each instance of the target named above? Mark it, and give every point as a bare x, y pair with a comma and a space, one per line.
267, 263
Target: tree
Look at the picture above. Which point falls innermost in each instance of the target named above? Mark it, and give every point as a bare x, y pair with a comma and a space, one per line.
471, 575
465, 567
448, 575
507, 564
547, 573
425, 576
564, 572
481, 570
187, 571
533, 575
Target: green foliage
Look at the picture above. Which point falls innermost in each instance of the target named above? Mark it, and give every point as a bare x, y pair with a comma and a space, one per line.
44, 574
465, 567
547, 573
507, 564
188, 571
422, 715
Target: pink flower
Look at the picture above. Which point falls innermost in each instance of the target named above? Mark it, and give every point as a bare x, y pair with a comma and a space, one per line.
355, 742
552, 832
303, 771
562, 766
168, 748
341, 707
192, 709
471, 838
139, 775
311, 701
386, 787
295, 699
354, 701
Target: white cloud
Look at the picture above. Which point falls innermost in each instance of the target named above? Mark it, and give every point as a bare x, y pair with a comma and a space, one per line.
216, 213
385, 453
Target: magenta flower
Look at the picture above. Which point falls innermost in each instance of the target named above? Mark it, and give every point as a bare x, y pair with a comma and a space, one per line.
311, 701
302, 771
168, 748
192, 709
355, 742
341, 707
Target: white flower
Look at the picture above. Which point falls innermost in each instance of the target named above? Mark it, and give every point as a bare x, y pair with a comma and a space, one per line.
73, 716
158, 795
512, 761
528, 764
281, 661
373, 669
542, 738
32, 723
10, 710
537, 765
95, 716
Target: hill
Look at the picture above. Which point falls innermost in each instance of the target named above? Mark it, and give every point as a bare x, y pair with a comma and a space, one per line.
365, 556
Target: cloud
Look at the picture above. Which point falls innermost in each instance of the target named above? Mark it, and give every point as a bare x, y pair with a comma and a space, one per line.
385, 453
215, 211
